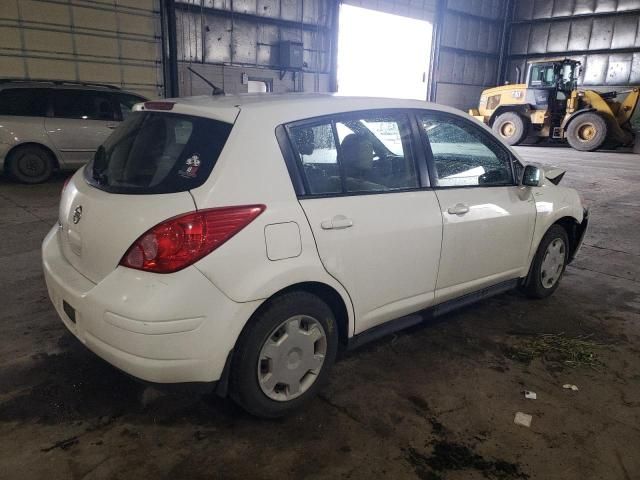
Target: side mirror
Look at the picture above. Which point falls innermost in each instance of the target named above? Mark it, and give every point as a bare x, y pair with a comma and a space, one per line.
532, 176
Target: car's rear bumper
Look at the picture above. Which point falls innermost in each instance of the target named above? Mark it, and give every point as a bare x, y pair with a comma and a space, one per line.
160, 328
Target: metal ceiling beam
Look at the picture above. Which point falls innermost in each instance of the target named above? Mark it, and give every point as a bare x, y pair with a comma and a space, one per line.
623, 13
464, 51
471, 16
573, 53
188, 7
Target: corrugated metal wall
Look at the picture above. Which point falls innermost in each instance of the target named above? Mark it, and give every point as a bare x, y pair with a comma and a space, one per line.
467, 52
229, 41
106, 41
602, 34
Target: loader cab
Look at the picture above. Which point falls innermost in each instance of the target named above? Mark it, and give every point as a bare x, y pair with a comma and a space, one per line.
551, 83
559, 76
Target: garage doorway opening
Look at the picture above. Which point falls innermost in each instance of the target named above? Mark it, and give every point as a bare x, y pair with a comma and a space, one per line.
382, 55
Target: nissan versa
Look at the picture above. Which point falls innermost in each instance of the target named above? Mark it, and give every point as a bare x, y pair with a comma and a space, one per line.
243, 239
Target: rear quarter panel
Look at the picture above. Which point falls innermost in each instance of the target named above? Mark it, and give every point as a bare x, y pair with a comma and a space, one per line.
16, 131
251, 170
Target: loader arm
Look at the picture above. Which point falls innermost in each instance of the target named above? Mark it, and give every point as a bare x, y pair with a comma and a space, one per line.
628, 106
616, 131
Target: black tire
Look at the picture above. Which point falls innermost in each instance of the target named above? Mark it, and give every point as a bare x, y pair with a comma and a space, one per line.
534, 285
245, 388
587, 132
30, 164
511, 127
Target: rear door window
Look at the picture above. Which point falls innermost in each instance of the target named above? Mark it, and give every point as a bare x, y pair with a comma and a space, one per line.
83, 105
356, 153
24, 102
158, 153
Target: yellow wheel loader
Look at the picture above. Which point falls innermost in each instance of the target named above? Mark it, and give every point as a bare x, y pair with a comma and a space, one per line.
549, 105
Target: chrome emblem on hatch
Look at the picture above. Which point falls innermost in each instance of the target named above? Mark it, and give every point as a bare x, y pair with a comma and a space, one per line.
77, 214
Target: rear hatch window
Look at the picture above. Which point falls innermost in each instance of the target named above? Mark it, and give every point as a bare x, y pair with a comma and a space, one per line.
154, 152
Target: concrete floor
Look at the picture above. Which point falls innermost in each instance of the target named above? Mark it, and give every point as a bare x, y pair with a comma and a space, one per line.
436, 402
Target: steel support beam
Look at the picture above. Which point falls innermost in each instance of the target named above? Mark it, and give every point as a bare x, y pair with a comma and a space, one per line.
432, 86
188, 7
169, 48
335, 25
564, 18
574, 53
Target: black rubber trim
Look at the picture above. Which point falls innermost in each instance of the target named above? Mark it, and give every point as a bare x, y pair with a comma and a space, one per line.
290, 160
383, 330
407, 321
580, 230
222, 385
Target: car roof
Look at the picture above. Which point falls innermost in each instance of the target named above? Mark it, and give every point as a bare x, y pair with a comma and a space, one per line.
289, 107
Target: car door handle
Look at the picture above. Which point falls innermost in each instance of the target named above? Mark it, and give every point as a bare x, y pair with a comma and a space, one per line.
112, 126
458, 209
338, 222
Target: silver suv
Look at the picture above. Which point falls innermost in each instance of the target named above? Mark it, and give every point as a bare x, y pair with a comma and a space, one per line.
46, 125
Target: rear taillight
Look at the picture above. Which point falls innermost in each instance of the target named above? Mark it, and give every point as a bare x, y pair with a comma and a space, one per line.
183, 240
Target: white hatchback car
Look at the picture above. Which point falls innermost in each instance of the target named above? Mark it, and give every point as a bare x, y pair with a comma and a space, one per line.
242, 239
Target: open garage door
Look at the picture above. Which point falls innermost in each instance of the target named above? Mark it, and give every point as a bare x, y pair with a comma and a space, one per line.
112, 42
384, 49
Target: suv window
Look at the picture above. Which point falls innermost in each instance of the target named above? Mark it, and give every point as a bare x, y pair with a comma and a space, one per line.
158, 153
84, 105
372, 153
463, 155
26, 102
126, 102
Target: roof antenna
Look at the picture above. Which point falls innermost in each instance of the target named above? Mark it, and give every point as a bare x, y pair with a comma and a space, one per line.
215, 91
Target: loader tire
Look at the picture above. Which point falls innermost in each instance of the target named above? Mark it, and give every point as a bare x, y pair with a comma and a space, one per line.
511, 128
587, 132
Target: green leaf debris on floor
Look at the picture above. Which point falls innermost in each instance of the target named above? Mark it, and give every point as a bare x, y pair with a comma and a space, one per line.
573, 352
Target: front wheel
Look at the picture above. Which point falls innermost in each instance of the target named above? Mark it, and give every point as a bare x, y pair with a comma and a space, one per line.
284, 355
587, 132
548, 264
511, 127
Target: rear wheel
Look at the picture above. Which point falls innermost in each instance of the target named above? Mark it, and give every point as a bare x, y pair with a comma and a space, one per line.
285, 355
511, 127
548, 264
587, 132
30, 164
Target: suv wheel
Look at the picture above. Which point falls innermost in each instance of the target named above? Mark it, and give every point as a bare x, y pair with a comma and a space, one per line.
30, 164
548, 264
285, 355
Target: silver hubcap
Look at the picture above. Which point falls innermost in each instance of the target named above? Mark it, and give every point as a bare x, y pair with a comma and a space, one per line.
552, 264
291, 358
